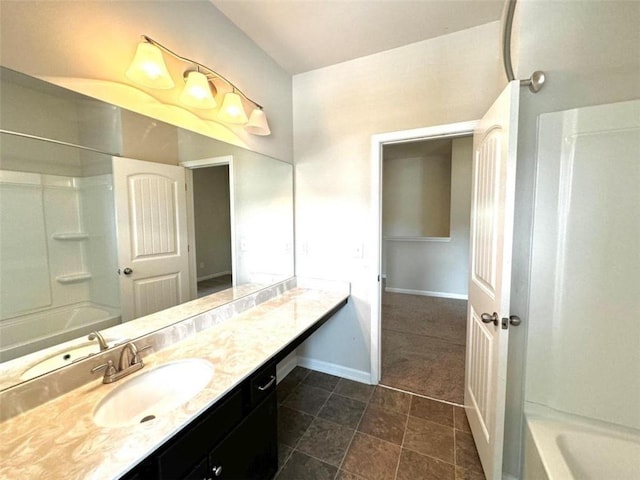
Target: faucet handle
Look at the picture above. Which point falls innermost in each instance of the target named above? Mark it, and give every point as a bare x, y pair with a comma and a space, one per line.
109, 369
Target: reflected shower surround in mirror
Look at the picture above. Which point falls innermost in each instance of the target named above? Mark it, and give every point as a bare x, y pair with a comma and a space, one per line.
148, 69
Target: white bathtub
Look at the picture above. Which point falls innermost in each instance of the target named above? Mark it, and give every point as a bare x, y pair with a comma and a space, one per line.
53, 326
560, 446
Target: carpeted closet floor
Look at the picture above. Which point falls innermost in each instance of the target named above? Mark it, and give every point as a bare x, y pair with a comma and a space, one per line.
423, 345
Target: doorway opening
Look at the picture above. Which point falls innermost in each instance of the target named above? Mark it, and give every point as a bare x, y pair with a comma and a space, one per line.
423, 196
210, 209
212, 218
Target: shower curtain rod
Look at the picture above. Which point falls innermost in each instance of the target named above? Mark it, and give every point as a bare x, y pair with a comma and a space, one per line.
57, 142
536, 81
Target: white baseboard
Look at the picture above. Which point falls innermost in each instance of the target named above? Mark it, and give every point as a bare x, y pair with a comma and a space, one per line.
427, 293
337, 370
214, 275
284, 367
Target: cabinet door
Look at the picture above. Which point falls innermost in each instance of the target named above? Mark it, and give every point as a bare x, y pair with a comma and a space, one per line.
197, 440
249, 452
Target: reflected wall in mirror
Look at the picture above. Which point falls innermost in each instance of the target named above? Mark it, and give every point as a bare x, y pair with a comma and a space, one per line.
61, 241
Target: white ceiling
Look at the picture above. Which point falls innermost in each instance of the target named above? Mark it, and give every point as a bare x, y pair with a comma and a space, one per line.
303, 35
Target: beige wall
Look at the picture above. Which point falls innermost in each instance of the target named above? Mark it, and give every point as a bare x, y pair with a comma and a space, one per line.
96, 40
145, 139
337, 109
416, 196
434, 267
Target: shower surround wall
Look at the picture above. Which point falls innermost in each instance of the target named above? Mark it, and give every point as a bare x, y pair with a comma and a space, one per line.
583, 356
55, 232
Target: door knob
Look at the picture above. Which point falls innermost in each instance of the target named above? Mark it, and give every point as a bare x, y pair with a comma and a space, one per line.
487, 318
126, 271
514, 320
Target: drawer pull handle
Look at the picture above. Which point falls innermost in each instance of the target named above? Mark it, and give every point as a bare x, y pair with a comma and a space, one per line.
217, 471
268, 385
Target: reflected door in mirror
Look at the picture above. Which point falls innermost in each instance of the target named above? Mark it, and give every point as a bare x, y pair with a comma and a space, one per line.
151, 222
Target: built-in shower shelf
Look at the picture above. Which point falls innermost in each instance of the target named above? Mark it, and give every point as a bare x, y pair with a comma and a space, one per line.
72, 236
74, 277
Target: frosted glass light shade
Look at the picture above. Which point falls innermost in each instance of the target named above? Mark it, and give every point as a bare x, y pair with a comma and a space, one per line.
197, 92
148, 68
258, 123
232, 110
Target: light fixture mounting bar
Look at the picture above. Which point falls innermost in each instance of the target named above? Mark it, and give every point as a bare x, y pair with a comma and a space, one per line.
208, 70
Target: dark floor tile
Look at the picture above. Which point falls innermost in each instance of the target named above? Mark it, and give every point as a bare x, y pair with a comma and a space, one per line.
437, 412
321, 380
355, 390
326, 441
291, 425
466, 474
342, 410
372, 458
298, 373
430, 439
285, 387
460, 419
391, 400
466, 452
301, 466
383, 424
283, 454
414, 466
307, 399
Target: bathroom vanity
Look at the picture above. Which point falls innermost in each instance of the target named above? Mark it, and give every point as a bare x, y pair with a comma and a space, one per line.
227, 429
236, 438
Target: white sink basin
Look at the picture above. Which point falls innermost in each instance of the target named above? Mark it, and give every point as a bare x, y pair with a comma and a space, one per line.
153, 393
62, 358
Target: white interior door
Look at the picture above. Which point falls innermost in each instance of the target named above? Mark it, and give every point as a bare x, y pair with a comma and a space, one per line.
494, 166
151, 224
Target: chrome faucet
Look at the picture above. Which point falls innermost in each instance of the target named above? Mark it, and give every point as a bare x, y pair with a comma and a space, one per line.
97, 335
130, 361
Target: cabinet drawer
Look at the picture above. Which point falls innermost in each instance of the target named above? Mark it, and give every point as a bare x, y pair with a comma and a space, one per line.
262, 384
196, 441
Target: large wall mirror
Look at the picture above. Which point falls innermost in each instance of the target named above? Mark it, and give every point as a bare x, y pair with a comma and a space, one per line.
107, 215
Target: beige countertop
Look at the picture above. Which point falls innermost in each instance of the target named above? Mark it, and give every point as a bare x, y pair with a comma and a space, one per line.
59, 439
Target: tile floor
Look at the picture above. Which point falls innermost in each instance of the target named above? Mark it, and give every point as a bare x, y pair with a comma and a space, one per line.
423, 345
331, 428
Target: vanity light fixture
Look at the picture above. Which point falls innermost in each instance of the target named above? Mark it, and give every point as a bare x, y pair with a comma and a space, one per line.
232, 110
258, 123
197, 91
148, 69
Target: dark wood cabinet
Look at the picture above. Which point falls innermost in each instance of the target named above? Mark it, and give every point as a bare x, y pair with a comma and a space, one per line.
236, 439
250, 451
